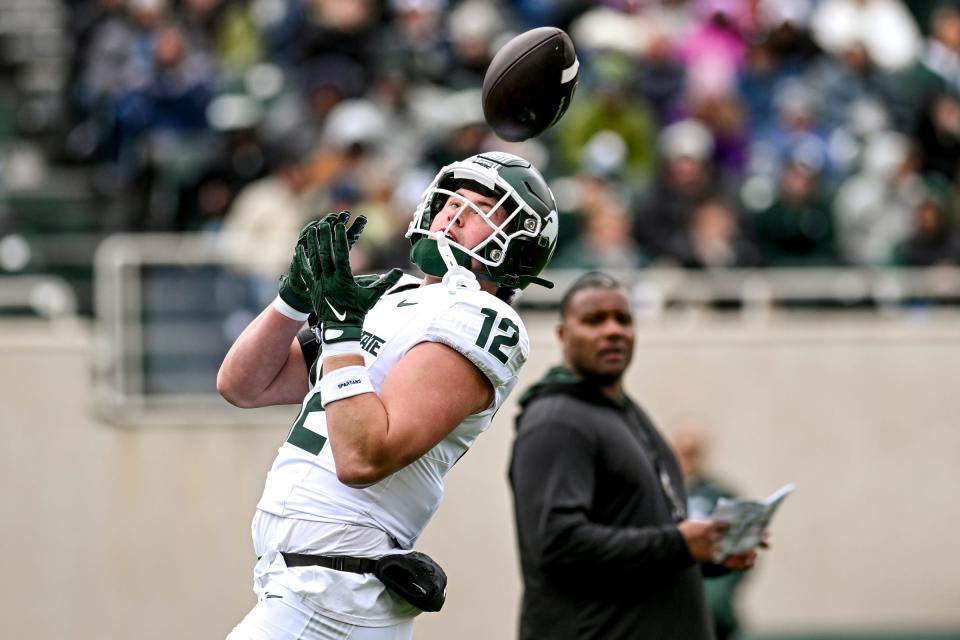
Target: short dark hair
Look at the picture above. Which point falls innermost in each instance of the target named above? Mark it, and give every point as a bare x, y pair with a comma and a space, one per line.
589, 280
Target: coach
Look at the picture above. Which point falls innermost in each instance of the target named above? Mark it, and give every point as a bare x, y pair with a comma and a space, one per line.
606, 549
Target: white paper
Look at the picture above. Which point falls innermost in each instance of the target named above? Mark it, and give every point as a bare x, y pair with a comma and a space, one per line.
748, 520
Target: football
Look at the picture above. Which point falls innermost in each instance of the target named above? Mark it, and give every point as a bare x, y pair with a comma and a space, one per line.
530, 83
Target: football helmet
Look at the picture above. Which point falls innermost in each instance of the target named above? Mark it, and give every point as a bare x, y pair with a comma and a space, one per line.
520, 244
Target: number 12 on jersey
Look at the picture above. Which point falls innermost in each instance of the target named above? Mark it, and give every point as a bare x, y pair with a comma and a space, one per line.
508, 336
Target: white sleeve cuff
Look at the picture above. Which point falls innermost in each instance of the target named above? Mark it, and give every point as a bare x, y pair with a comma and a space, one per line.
287, 310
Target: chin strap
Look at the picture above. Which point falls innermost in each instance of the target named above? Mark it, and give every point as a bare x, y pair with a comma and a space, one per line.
446, 253
456, 277
516, 283
540, 281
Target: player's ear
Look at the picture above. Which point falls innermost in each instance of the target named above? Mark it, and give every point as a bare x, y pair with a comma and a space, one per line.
560, 331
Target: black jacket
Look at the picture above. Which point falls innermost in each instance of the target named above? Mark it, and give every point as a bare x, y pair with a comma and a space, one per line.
599, 548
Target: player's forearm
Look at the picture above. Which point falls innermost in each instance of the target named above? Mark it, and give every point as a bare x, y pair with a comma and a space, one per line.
358, 428
430, 391
252, 368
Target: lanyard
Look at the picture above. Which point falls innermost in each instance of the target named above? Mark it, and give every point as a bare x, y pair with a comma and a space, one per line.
642, 431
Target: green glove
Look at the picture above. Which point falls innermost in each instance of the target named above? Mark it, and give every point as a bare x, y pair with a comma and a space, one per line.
340, 301
296, 287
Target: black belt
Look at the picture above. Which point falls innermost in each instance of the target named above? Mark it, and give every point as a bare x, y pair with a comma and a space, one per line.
339, 563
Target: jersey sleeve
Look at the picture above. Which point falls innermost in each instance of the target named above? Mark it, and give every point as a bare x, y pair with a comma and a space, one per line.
487, 332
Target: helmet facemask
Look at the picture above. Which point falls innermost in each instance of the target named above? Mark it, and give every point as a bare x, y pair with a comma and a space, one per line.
510, 220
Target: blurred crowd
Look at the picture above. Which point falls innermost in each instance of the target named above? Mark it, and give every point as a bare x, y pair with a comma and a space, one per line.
704, 133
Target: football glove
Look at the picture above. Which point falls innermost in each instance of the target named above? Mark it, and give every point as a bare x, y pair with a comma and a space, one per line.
340, 301
296, 287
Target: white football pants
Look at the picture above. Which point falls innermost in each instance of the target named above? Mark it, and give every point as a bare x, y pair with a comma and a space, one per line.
281, 615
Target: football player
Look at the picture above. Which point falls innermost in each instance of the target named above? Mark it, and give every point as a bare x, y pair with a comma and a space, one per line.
396, 381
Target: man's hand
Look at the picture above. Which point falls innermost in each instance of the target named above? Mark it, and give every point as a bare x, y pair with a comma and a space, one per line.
702, 537
339, 300
744, 561
297, 287
740, 561
294, 287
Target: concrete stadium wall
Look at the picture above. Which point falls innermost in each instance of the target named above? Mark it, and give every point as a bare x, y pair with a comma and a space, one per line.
115, 532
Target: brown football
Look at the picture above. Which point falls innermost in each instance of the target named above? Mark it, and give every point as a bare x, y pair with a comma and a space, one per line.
530, 83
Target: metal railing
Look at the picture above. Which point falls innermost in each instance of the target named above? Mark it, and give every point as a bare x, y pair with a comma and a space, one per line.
158, 348
659, 289
169, 305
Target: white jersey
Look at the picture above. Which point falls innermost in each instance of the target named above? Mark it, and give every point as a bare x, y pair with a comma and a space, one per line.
302, 484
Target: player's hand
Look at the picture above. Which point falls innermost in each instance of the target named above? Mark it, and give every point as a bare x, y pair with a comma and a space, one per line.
340, 301
302, 286
295, 287
702, 537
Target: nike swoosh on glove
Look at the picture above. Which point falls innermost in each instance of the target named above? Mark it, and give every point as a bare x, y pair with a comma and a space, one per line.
343, 302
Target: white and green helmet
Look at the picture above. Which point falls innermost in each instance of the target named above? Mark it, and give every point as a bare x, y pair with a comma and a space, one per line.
517, 249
